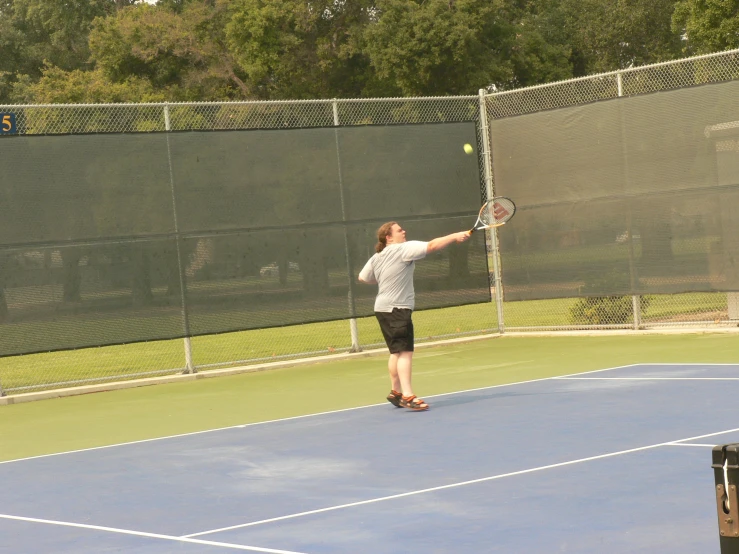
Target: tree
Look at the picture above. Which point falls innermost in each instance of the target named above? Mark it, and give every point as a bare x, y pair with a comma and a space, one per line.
707, 25
181, 49
540, 51
606, 35
35, 33
437, 47
297, 49
57, 86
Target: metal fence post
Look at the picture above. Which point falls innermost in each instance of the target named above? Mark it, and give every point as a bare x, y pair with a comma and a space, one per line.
635, 299
353, 330
732, 300
189, 366
492, 233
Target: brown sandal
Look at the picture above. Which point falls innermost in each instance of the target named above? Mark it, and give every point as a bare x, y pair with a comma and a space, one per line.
394, 398
413, 403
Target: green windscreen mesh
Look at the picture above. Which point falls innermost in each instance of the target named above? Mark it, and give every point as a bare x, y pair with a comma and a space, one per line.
637, 195
115, 238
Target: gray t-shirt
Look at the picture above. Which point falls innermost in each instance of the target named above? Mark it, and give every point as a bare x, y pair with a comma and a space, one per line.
392, 269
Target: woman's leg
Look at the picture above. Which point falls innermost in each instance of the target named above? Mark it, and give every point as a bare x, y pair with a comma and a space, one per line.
392, 366
404, 366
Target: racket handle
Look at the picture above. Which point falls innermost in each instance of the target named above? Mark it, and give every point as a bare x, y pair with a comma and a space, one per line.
471, 231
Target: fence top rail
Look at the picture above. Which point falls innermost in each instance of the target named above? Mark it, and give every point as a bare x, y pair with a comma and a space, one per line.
246, 102
617, 72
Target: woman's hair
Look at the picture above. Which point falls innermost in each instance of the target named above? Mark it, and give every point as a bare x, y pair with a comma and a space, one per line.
382, 234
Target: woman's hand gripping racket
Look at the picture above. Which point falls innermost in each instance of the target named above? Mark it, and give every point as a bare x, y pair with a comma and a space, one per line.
494, 213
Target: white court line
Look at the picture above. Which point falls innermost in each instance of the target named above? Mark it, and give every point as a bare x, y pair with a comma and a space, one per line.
191, 434
148, 535
646, 378
563, 377
702, 445
299, 417
461, 484
689, 364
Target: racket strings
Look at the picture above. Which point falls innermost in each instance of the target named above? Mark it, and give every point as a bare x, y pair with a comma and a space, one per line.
496, 211
486, 214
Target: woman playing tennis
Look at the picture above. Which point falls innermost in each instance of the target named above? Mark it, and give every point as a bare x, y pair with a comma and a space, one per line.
391, 268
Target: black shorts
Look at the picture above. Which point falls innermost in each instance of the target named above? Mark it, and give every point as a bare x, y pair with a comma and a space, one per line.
397, 328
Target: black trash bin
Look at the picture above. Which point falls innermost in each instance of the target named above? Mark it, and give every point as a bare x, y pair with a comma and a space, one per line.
726, 477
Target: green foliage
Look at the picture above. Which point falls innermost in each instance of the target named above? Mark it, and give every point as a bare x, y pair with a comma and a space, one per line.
534, 58
182, 52
57, 86
606, 310
707, 25
605, 35
52, 30
35, 33
280, 49
294, 49
438, 47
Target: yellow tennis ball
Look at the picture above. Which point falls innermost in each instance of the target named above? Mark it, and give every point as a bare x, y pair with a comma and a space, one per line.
468, 148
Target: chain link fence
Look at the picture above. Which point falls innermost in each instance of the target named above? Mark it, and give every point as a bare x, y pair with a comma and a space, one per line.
19, 374
695, 309
70, 368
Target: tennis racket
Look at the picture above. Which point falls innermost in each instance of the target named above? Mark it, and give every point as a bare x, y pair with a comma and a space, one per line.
494, 213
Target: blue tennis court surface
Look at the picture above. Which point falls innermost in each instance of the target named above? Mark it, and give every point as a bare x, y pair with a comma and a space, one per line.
612, 461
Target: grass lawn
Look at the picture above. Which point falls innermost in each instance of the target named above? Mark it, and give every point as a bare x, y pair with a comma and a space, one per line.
238, 348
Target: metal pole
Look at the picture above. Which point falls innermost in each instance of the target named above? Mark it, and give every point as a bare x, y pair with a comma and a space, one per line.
635, 299
354, 331
189, 366
491, 233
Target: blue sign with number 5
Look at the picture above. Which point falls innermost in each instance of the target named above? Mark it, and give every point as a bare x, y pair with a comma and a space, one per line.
7, 124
